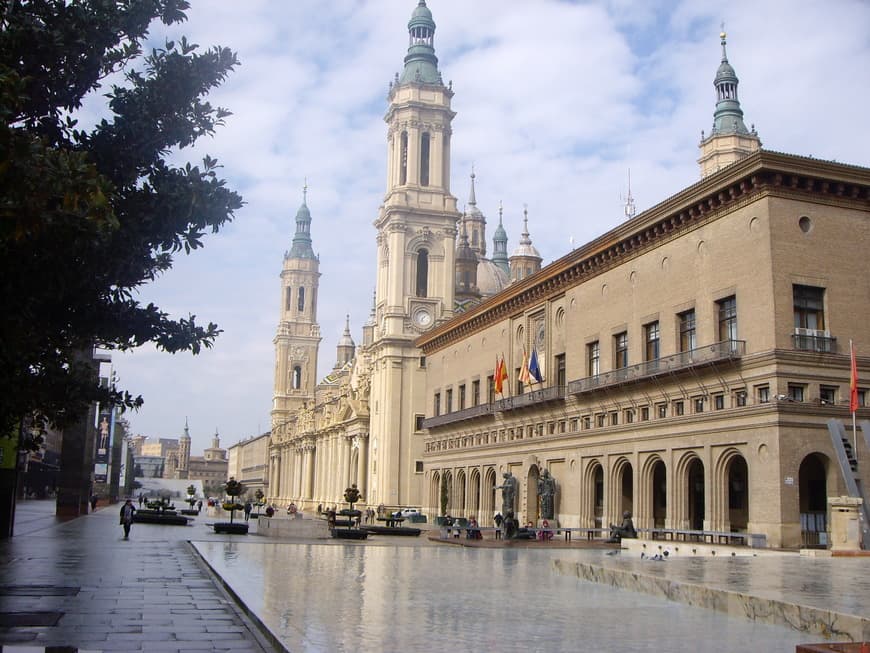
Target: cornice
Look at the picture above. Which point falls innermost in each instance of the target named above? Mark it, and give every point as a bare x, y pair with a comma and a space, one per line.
759, 175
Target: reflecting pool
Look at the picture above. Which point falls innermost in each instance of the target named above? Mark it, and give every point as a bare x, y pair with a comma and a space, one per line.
319, 597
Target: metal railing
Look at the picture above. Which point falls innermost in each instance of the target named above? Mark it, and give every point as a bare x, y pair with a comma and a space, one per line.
720, 351
531, 398
457, 416
819, 343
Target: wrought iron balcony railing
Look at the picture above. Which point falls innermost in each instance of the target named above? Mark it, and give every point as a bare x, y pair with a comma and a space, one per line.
720, 351
813, 340
457, 416
532, 398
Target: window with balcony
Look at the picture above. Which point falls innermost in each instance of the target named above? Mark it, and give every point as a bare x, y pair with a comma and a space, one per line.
448, 401
490, 389
519, 383
436, 405
462, 397
688, 340
475, 393
593, 359
620, 347
810, 333
651, 338
727, 312
559, 366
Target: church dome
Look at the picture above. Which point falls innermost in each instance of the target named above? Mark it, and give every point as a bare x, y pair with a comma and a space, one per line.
491, 279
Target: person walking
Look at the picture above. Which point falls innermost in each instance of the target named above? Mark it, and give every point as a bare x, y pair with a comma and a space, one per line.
248, 508
127, 512
94, 499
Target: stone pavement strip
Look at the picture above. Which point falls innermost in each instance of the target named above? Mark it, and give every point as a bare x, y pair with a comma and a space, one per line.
78, 583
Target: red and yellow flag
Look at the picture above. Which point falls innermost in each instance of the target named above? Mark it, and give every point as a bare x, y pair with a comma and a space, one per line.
853, 381
524, 377
500, 375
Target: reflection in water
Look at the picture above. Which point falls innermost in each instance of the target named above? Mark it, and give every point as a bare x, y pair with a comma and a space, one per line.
317, 597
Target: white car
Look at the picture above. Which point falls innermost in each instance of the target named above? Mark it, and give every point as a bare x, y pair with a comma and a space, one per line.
408, 512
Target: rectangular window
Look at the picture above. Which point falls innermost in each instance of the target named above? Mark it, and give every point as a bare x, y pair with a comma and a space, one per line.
462, 397
809, 307
620, 347
688, 340
699, 404
601, 419
418, 422
418, 466
593, 359
573, 425
519, 383
587, 422
288, 300
490, 389
862, 397
661, 410
651, 341
560, 370
727, 309
614, 418
300, 304
436, 405
475, 393
718, 402
644, 413
629, 416
796, 392
827, 395
679, 408
740, 398
448, 402
762, 394
422, 361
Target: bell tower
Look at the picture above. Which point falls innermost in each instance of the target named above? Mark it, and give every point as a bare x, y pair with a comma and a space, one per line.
298, 335
416, 239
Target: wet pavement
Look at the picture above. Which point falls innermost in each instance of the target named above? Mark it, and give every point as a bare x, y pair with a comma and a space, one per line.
78, 583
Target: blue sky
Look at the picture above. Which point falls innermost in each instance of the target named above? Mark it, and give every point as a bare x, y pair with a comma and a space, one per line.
555, 102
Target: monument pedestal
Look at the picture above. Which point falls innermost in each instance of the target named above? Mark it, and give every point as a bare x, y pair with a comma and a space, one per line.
845, 529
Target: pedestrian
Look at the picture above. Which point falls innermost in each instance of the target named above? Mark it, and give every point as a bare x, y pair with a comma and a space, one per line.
199, 506
94, 499
127, 512
248, 508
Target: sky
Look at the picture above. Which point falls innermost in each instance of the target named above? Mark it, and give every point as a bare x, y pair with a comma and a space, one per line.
556, 101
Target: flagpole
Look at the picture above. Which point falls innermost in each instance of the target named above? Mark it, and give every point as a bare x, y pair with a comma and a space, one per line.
853, 384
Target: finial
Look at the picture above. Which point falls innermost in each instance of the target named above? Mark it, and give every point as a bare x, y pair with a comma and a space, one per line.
630, 210
305, 192
500, 210
723, 37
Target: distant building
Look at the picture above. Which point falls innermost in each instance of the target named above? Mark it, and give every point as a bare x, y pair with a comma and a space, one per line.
248, 463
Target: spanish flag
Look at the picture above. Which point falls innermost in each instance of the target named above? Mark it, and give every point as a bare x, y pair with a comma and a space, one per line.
501, 375
853, 381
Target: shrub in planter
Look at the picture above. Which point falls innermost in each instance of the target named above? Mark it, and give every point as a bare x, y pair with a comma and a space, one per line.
232, 489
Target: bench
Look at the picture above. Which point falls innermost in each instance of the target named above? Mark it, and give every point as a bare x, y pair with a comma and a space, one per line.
754, 540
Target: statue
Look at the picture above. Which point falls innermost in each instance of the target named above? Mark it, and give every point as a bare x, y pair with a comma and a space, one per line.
547, 493
508, 493
624, 530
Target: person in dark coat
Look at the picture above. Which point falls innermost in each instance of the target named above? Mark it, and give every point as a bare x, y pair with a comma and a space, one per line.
127, 512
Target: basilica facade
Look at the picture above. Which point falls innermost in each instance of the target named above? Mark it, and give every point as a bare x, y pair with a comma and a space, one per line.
687, 362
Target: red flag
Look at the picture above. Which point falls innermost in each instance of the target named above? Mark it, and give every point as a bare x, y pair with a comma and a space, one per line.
500, 375
853, 381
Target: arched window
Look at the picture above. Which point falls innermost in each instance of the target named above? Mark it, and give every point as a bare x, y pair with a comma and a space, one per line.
403, 159
296, 380
424, 159
422, 273
300, 303
288, 302
474, 239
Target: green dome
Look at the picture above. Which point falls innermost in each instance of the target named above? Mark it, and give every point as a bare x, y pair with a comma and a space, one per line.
421, 64
301, 247
728, 117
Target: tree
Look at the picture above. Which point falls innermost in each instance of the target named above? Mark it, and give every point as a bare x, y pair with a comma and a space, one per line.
233, 489
351, 495
90, 214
